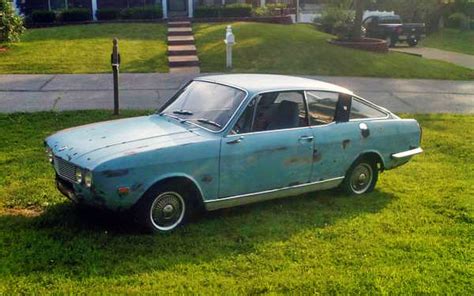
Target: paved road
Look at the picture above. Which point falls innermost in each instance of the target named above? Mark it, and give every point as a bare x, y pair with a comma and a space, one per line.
30, 93
464, 60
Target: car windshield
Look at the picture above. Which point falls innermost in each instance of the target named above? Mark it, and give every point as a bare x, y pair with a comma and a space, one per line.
206, 104
390, 20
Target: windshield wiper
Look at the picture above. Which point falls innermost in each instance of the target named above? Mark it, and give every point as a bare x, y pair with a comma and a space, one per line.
182, 112
181, 120
204, 120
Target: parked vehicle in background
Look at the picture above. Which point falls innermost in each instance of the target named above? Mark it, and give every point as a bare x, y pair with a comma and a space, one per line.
391, 29
229, 140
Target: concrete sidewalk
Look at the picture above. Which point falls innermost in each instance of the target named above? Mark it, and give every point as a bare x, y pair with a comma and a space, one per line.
30, 93
460, 59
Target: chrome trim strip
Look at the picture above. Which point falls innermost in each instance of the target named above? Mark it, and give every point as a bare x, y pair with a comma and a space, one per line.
408, 153
244, 199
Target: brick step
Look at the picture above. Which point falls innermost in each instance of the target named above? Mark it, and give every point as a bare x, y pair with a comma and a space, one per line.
183, 31
180, 40
183, 61
179, 24
185, 70
180, 50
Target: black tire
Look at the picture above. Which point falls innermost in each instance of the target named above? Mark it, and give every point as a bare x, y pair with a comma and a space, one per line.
165, 207
361, 177
412, 42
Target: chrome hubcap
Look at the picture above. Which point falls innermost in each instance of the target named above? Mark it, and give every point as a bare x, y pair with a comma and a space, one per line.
167, 211
361, 178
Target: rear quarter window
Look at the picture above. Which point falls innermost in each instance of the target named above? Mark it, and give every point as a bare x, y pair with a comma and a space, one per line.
360, 110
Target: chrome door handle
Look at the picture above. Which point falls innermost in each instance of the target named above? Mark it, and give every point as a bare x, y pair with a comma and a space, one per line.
236, 141
307, 138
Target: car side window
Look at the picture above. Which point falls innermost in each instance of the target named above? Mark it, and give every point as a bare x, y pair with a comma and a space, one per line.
280, 110
321, 106
359, 110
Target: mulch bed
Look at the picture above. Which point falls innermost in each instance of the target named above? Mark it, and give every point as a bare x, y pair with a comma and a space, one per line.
369, 44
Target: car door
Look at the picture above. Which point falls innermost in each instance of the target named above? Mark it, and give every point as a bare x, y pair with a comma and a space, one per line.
270, 146
328, 116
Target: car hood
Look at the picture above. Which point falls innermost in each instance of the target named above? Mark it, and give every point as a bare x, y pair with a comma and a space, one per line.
74, 143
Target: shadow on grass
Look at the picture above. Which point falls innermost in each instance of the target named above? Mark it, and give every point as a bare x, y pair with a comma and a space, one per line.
74, 243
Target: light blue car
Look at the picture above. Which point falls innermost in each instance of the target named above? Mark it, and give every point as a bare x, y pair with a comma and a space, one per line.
230, 140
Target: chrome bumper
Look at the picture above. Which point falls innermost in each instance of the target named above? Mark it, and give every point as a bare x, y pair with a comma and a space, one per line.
408, 153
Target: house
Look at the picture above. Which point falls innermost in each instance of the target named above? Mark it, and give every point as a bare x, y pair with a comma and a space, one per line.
170, 7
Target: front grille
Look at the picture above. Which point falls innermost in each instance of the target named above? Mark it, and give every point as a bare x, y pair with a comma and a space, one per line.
65, 169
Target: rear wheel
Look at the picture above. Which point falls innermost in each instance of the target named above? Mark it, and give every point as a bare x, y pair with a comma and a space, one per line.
164, 208
361, 177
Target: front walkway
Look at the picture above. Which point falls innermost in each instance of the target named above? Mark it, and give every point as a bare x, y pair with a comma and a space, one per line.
460, 59
30, 93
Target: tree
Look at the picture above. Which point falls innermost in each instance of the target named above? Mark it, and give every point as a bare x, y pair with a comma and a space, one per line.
359, 8
11, 24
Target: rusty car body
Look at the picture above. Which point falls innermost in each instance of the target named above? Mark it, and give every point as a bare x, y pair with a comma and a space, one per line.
229, 140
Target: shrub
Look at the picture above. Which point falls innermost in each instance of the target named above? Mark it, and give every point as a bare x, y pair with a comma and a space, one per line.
76, 15
147, 12
11, 24
206, 11
270, 9
457, 20
43, 16
337, 21
107, 14
236, 10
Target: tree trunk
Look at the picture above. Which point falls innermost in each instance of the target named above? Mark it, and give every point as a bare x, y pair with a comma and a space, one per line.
359, 8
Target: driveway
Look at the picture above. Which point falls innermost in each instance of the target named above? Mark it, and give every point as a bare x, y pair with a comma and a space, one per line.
31, 93
460, 59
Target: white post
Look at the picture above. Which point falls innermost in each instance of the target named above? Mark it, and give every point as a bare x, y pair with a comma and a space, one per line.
223, 2
229, 42
94, 9
190, 8
262, 3
164, 5
49, 5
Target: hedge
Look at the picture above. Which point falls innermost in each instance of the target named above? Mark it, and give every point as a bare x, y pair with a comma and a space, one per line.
231, 10
43, 16
144, 13
76, 15
107, 14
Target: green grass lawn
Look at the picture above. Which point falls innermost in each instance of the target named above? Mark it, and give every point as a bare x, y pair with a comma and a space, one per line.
301, 49
452, 39
87, 49
412, 235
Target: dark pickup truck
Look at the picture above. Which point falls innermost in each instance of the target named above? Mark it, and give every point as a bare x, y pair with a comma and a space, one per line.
393, 30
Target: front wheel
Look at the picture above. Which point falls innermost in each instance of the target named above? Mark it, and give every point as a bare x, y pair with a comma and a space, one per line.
361, 177
163, 209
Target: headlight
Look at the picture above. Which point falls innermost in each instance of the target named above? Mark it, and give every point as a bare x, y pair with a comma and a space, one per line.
49, 152
88, 179
78, 175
